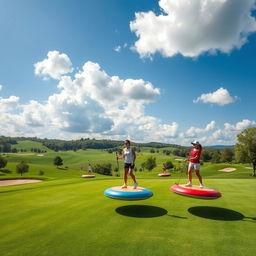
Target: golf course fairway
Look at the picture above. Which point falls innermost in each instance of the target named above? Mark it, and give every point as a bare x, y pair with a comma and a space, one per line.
73, 217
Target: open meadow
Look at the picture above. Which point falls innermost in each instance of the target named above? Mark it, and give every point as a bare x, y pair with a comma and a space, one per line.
68, 215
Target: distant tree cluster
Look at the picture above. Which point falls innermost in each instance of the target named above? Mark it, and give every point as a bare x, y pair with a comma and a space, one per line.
245, 149
5, 144
103, 168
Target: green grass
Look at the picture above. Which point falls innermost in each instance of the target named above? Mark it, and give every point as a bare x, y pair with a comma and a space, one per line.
72, 217
28, 144
68, 215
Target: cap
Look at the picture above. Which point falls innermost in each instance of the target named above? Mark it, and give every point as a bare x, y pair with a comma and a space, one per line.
195, 142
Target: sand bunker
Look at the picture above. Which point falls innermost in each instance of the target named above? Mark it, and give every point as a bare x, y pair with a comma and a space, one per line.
17, 182
40, 155
227, 170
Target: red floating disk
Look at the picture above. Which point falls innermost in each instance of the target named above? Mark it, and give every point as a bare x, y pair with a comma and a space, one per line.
196, 191
88, 176
164, 174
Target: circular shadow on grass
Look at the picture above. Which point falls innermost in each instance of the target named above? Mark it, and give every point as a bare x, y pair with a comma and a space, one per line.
141, 211
215, 213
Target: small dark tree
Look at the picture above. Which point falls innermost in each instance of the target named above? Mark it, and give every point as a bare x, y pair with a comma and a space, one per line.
3, 162
103, 168
150, 163
58, 161
215, 157
206, 155
226, 155
169, 165
22, 167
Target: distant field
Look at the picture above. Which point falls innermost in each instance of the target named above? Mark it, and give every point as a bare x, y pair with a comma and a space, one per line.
28, 144
74, 161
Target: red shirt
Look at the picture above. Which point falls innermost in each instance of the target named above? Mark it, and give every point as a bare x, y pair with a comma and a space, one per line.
195, 153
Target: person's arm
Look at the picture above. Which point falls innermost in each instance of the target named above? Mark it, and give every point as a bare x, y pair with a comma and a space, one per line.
120, 157
134, 156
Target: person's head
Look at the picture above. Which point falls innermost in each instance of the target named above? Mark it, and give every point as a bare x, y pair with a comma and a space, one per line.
127, 143
196, 144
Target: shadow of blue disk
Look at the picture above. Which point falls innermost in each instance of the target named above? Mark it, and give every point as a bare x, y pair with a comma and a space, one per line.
141, 211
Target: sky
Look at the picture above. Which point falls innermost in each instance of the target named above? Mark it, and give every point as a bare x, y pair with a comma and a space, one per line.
169, 71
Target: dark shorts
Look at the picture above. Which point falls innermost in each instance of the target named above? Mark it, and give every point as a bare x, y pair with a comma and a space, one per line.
128, 166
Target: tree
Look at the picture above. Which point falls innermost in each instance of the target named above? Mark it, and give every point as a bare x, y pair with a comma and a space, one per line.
22, 167
150, 163
215, 157
103, 168
58, 161
206, 156
169, 165
245, 149
3, 162
226, 155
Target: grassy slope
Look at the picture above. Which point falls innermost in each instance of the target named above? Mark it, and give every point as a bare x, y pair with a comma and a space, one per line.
72, 217
67, 215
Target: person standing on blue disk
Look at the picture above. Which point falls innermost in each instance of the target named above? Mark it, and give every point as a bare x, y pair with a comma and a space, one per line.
129, 156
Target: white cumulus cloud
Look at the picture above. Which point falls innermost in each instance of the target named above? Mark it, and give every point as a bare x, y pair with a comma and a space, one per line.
193, 132
55, 65
193, 27
9, 104
220, 97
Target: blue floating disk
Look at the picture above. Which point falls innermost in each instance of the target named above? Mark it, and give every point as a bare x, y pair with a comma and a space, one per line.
128, 193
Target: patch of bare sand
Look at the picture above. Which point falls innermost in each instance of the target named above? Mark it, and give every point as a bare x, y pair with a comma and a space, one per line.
229, 169
17, 182
40, 155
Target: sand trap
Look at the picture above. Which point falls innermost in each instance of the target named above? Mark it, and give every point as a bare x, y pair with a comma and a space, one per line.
17, 182
227, 170
40, 155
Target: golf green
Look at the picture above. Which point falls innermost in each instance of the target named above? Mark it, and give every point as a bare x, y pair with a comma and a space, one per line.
73, 217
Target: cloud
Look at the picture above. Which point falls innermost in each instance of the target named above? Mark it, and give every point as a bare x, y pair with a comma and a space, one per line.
193, 27
193, 132
220, 97
1, 87
9, 104
238, 127
118, 48
56, 65
91, 103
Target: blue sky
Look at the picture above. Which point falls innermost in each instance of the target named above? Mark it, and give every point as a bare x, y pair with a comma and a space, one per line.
169, 71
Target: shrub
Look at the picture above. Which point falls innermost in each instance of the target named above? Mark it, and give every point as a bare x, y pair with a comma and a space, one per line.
3, 162
103, 168
40, 173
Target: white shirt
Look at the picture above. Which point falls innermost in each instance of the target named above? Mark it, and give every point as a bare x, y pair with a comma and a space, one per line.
128, 155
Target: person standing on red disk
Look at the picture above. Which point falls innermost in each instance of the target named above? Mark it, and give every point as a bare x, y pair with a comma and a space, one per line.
194, 163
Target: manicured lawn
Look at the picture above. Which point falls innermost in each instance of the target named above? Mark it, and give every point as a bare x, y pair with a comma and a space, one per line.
72, 217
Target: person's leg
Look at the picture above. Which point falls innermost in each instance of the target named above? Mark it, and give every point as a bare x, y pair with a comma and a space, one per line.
132, 175
126, 171
190, 170
199, 177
